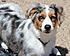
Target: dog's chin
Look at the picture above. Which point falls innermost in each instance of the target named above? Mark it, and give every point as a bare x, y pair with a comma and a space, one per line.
47, 32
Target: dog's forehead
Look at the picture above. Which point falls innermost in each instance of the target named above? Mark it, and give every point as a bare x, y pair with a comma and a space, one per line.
48, 9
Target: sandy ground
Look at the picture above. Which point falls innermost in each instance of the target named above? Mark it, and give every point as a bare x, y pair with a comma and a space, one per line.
63, 33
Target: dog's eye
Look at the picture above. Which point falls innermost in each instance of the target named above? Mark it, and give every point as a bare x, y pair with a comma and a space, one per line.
52, 17
41, 17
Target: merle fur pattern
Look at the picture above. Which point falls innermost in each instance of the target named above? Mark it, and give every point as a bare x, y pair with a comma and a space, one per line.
10, 18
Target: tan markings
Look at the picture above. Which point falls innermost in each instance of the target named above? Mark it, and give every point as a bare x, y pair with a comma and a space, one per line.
33, 55
58, 17
32, 12
58, 14
51, 13
61, 10
38, 21
53, 18
43, 13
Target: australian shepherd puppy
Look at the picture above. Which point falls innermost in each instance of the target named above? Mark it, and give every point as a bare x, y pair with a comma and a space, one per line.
40, 34
19, 32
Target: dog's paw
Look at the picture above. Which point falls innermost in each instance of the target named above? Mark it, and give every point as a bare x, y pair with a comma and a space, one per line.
56, 52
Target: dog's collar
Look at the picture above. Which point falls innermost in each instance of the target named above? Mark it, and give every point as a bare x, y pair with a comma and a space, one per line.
44, 44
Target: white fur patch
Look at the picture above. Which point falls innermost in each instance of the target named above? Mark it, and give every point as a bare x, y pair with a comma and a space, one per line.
47, 20
56, 51
12, 6
4, 45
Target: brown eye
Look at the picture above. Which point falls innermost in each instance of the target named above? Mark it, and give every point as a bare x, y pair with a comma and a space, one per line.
41, 17
52, 17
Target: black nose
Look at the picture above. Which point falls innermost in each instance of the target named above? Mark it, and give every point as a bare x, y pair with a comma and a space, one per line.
47, 27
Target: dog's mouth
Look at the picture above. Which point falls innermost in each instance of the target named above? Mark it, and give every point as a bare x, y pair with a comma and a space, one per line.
47, 31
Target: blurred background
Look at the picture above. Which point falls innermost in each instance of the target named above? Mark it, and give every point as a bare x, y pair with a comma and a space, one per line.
63, 32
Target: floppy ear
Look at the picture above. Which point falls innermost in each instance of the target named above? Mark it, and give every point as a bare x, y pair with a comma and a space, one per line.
59, 15
30, 12
36, 7
58, 12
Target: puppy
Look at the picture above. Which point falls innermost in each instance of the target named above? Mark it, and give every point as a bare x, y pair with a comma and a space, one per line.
19, 32
45, 19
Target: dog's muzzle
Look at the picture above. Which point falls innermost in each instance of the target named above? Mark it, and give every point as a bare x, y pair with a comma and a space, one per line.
47, 28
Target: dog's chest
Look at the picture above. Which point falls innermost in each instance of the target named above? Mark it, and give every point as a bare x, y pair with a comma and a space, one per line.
48, 41
47, 37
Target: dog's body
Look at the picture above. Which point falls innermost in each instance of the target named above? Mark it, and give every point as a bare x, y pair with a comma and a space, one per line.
26, 34
10, 18
16, 31
45, 19
31, 44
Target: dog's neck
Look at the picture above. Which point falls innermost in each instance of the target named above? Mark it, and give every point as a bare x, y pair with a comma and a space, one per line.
45, 37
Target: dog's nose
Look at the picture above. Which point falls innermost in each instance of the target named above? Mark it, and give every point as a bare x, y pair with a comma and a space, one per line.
47, 27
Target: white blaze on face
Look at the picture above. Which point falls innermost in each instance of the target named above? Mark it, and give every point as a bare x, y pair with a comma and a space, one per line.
47, 20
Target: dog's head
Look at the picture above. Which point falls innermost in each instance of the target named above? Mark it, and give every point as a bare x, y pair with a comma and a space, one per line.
45, 17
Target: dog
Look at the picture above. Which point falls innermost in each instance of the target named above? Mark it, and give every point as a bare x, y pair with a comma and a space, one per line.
45, 19
16, 31
19, 32
10, 17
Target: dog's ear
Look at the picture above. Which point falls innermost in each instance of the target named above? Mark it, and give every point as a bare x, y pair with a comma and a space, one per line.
30, 12
58, 12
36, 7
